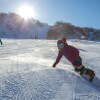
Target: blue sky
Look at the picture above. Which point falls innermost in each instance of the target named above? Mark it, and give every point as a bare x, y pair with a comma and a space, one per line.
83, 13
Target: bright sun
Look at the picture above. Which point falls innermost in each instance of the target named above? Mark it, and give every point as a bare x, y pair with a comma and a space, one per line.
26, 11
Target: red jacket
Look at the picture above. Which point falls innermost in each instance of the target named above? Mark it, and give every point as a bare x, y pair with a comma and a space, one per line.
70, 53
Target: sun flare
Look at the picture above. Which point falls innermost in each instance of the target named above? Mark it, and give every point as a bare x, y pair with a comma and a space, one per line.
26, 12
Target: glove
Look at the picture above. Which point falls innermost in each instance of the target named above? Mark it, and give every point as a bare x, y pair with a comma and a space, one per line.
54, 65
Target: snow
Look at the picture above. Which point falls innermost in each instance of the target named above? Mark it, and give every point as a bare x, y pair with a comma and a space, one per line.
26, 71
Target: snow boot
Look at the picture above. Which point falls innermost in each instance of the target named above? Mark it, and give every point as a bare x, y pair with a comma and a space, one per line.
80, 70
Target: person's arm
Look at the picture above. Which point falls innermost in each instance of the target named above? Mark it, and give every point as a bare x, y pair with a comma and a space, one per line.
57, 59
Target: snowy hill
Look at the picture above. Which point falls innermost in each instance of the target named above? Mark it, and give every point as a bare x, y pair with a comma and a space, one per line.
26, 71
13, 26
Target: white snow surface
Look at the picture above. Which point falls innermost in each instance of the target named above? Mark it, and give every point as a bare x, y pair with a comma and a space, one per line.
26, 71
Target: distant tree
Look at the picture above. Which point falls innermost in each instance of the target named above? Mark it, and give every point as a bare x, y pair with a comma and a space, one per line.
53, 34
36, 36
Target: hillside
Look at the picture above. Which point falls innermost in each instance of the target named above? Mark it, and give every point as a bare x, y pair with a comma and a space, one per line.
62, 29
26, 71
13, 26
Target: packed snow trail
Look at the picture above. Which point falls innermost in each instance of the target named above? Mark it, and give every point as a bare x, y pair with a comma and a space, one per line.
26, 71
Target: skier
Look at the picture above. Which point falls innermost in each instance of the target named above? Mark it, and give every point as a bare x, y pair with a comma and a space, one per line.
1, 42
72, 54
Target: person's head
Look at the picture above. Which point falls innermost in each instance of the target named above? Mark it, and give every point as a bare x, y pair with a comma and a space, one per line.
60, 44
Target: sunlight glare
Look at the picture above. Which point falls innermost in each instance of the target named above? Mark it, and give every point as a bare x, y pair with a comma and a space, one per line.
26, 12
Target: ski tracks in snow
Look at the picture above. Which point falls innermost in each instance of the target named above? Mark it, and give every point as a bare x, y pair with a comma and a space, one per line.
40, 85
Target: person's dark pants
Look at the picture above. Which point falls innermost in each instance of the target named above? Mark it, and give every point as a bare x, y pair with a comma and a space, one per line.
78, 65
78, 62
82, 70
1, 42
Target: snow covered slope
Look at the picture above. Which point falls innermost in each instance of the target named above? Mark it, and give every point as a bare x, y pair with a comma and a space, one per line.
26, 71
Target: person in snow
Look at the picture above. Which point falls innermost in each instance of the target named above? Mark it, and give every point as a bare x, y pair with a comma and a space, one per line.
72, 54
1, 42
